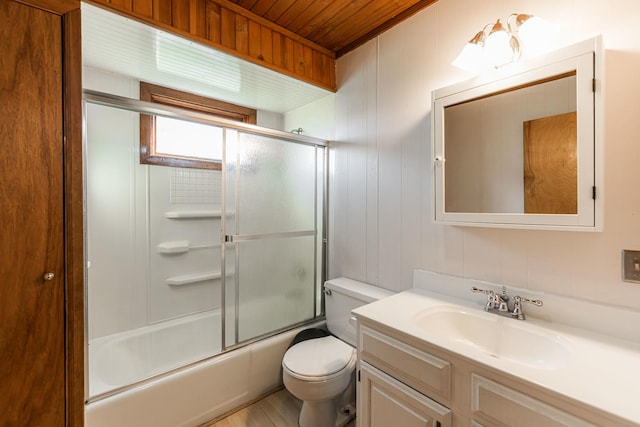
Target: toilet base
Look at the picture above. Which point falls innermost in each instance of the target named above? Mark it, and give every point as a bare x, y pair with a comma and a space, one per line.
325, 414
321, 413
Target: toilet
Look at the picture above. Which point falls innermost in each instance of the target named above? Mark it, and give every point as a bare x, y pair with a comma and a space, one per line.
321, 371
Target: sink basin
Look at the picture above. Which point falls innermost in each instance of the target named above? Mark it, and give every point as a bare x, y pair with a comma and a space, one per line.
497, 336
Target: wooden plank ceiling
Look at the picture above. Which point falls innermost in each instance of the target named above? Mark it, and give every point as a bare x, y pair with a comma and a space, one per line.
337, 25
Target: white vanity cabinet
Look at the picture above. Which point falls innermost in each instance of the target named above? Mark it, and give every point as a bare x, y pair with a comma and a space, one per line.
407, 382
396, 383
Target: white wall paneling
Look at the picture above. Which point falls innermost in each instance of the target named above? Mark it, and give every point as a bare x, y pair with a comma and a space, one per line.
381, 198
356, 146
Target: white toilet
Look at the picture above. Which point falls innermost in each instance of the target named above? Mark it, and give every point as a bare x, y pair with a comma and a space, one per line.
321, 371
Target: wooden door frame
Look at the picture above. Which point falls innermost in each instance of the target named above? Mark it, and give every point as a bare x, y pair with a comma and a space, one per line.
74, 218
74, 308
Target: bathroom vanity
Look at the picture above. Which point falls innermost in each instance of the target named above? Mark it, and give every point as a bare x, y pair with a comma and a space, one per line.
430, 359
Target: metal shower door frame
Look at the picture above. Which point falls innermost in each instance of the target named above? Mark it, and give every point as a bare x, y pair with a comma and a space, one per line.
150, 108
237, 237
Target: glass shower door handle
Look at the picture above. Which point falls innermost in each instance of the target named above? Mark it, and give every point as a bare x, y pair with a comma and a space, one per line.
235, 238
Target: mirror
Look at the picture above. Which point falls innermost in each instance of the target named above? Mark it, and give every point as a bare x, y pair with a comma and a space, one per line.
527, 138
517, 147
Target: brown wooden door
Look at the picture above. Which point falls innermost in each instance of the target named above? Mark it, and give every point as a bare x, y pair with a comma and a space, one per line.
32, 347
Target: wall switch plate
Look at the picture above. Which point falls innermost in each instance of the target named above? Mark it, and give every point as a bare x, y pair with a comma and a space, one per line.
631, 266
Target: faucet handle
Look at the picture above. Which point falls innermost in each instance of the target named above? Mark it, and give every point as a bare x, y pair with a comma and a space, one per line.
517, 307
530, 301
483, 291
491, 297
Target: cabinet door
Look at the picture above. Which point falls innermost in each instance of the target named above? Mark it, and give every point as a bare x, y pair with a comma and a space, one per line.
497, 405
32, 346
384, 401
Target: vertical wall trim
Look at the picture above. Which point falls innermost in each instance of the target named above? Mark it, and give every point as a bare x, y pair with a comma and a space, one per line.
74, 220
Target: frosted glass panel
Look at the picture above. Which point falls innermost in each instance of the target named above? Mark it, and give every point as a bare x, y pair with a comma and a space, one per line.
276, 185
273, 187
277, 278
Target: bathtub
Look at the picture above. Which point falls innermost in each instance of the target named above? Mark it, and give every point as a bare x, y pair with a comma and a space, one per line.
128, 357
186, 397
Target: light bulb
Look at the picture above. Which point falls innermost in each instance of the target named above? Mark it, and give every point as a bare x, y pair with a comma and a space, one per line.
472, 56
498, 46
470, 59
535, 34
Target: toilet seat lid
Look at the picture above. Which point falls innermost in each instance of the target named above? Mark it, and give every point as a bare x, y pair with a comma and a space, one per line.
318, 357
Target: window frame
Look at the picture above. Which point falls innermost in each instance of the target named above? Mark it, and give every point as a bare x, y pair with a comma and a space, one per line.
176, 98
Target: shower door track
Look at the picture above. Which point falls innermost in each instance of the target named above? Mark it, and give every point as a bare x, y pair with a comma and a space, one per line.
135, 105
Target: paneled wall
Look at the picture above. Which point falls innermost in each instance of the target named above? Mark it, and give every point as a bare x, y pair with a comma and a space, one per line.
381, 226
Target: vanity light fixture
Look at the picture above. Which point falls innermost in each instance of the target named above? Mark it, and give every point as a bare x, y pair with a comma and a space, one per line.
497, 45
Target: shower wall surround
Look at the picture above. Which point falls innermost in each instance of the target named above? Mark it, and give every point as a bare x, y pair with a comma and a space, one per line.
126, 205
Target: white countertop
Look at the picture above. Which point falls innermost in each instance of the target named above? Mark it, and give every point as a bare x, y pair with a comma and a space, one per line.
604, 372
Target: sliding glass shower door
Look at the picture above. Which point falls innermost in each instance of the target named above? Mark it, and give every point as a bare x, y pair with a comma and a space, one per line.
273, 210
184, 263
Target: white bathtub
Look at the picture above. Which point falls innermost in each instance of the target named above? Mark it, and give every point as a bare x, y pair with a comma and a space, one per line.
187, 397
128, 357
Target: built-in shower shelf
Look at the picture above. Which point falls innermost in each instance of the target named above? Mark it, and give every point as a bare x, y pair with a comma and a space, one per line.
192, 278
182, 246
192, 214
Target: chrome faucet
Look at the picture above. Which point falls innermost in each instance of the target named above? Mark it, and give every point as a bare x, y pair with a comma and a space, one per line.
495, 302
499, 303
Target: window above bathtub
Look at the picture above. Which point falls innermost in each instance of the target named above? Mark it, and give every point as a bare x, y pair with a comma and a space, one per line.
179, 143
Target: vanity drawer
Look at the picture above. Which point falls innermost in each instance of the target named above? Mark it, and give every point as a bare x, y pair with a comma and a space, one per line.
496, 405
418, 369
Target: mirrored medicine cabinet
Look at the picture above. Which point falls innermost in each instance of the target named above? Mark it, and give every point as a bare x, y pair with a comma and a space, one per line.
520, 147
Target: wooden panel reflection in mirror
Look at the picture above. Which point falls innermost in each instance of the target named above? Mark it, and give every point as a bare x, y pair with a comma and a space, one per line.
550, 165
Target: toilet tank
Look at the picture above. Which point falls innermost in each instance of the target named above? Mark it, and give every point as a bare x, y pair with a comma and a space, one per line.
343, 295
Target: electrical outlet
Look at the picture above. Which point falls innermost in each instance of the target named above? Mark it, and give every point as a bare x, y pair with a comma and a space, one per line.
631, 266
